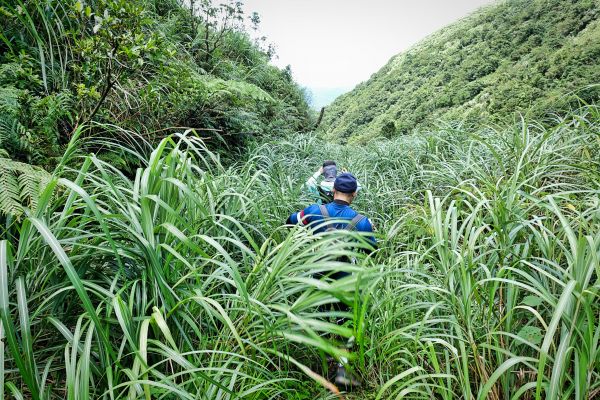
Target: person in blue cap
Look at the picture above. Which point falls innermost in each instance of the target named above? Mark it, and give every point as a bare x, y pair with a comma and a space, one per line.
345, 188
344, 192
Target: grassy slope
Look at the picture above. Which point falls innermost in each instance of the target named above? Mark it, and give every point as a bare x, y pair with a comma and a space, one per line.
518, 55
182, 280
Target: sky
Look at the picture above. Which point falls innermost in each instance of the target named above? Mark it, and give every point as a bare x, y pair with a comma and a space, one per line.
333, 45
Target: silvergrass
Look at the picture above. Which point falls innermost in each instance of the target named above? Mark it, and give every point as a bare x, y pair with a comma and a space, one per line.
180, 280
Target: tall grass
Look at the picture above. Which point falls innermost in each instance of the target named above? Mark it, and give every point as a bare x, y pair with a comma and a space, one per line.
180, 281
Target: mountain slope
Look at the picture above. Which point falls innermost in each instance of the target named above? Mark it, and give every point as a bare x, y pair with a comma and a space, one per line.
518, 55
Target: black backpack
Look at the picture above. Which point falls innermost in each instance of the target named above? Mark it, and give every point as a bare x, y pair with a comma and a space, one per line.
326, 196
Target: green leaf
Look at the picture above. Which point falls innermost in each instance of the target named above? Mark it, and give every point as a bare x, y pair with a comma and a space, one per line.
77, 282
532, 334
532, 301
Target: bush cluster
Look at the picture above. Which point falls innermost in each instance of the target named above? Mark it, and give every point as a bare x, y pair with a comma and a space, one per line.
139, 65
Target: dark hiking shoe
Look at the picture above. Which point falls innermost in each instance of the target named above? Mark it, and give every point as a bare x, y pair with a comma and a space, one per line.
331, 368
344, 379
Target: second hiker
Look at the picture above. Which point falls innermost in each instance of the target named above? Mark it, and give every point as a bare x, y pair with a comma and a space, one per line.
323, 191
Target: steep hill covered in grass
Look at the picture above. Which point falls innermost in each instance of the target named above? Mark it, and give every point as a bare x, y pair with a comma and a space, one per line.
515, 56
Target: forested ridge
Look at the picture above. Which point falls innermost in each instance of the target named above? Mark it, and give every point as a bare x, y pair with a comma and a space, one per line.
515, 56
150, 156
140, 66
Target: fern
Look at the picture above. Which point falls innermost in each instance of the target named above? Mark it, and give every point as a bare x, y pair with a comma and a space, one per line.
29, 124
50, 109
29, 186
21, 186
13, 133
9, 195
235, 91
9, 99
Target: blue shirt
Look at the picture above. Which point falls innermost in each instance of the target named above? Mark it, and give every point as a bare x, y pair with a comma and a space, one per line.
337, 210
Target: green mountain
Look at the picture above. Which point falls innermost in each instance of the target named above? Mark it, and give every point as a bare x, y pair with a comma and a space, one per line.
514, 56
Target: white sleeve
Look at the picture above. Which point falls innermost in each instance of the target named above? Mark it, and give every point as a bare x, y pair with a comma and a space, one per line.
312, 181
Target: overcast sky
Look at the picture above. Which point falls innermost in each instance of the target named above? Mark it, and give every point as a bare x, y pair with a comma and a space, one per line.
339, 43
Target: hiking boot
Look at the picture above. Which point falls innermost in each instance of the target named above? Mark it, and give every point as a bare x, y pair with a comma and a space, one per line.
331, 368
345, 379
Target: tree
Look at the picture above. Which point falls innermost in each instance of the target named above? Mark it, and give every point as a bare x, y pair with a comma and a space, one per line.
218, 20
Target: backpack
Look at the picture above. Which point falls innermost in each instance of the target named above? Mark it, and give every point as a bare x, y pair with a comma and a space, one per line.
326, 196
351, 225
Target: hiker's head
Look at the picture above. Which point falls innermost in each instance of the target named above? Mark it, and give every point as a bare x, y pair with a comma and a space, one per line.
329, 170
345, 187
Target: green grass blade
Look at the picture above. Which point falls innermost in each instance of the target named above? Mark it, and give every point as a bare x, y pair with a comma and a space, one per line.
64, 260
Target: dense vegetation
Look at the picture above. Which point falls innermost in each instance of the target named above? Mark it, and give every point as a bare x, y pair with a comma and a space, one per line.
180, 281
514, 56
144, 262
139, 65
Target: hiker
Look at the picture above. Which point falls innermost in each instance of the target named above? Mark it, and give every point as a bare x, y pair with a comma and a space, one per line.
345, 188
323, 191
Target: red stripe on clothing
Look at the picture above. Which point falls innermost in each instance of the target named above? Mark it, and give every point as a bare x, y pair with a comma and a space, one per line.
304, 221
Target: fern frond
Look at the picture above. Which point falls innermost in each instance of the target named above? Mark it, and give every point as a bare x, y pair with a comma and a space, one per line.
29, 186
9, 100
9, 195
21, 185
4, 131
11, 130
13, 134
235, 90
65, 100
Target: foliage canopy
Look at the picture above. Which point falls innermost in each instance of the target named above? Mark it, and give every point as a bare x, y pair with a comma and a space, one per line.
140, 65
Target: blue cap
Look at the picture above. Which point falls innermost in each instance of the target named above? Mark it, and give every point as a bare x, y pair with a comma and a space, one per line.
345, 183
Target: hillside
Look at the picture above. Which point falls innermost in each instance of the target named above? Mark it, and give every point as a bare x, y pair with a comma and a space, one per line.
515, 56
144, 66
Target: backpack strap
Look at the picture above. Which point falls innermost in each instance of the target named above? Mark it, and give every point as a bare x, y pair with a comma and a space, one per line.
324, 211
351, 225
325, 195
355, 221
